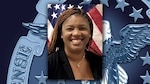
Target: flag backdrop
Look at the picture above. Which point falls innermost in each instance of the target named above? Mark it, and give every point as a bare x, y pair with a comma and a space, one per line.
94, 11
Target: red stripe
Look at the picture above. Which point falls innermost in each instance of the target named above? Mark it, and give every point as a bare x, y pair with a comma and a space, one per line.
48, 42
97, 18
94, 48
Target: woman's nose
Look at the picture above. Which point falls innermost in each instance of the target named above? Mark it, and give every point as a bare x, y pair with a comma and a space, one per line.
76, 32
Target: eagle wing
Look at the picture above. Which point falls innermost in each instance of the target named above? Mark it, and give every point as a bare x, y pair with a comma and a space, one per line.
134, 37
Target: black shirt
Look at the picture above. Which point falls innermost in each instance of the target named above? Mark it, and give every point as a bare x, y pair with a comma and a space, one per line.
59, 67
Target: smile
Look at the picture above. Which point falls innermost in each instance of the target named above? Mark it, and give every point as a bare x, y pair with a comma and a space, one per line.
76, 41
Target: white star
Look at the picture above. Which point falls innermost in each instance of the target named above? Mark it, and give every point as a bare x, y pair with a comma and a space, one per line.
136, 14
146, 59
70, 6
41, 78
105, 2
49, 6
54, 15
57, 6
63, 7
121, 4
80, 7
146, 78
86, 2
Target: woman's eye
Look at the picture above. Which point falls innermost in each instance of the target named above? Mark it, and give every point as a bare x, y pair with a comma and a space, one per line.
82, 28
69, 29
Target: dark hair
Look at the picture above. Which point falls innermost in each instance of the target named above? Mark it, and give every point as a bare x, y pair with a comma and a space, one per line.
56, 41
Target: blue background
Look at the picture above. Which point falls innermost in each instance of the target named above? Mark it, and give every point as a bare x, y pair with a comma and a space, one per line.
13, 13
118, 20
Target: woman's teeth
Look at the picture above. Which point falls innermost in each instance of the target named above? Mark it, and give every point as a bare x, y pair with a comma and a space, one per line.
76, 41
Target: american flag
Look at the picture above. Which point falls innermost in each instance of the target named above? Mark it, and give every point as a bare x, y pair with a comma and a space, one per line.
94, 11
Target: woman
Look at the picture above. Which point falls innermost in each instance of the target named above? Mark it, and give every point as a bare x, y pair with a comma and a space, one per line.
68, 54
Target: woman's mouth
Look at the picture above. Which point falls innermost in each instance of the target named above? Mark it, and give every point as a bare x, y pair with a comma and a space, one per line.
76, 41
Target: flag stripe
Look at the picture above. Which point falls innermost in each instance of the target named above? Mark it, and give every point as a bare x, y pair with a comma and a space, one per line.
100, 8
97, 36
50, 30
99, 52
96, 16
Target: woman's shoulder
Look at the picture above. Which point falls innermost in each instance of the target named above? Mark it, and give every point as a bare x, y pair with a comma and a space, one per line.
53, 56
58, 55
91, 54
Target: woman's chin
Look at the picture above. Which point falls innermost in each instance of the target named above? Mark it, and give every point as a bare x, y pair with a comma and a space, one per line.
77, 48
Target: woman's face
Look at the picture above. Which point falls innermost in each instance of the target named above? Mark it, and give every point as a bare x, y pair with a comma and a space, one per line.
75, 33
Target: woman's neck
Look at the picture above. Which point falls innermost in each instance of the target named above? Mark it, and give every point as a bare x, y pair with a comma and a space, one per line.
75, 56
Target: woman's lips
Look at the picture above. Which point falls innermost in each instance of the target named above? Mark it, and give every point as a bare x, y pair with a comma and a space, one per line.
76, 41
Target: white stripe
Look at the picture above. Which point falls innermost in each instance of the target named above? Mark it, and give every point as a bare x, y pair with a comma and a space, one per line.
97, 35
100, 8
50, 30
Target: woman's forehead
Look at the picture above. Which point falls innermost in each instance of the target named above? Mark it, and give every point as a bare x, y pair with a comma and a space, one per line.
75, 16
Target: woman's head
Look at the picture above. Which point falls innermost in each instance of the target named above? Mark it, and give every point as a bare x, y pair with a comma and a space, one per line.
73, 30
